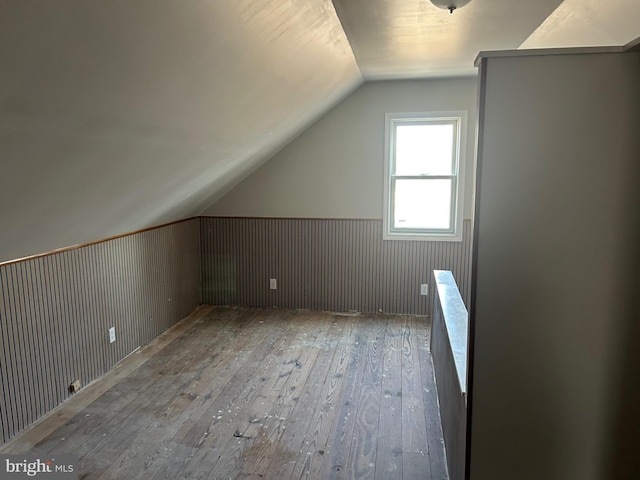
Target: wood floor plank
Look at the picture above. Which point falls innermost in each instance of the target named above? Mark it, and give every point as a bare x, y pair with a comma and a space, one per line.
186, 423
373, 364
361, 463
259, 393
341, 434
160, 400
256, 455
362, 456
389, 449
242, 382
241, 407
415, 449
310, 437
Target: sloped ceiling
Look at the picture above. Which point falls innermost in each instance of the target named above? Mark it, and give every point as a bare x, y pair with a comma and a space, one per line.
588, 23
116, 115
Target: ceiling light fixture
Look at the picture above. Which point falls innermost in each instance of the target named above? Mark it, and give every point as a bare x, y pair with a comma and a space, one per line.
450, 5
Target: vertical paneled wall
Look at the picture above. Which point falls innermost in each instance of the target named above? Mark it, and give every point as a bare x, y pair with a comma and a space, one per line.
55, 312
323, 264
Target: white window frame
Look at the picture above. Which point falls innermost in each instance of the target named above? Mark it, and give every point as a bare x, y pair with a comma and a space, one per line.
457, 204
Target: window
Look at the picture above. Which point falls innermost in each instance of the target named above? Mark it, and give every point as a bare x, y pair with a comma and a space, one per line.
424, 181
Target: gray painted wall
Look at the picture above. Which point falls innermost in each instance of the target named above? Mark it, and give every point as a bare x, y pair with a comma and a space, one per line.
55, 312
449, 334
335, 168
323, 264
557, 237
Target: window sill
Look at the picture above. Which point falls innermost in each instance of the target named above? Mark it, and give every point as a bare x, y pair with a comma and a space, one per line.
416, 237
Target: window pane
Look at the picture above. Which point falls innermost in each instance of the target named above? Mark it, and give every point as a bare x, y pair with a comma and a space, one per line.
422, 203
424, 149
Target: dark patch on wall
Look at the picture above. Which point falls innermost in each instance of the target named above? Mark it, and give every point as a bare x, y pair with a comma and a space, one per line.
323, 264
55, 312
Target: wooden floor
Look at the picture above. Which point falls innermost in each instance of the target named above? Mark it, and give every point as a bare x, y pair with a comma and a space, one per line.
259, 393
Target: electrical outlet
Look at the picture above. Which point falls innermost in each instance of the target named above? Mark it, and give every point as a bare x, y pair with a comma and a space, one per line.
75, 386
112, 334
424, 289
273, 284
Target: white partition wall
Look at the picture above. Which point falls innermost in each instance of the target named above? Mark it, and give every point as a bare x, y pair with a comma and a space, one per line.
555, 251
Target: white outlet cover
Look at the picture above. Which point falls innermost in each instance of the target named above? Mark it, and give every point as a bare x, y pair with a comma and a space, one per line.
112, 334
424, 289
273, 284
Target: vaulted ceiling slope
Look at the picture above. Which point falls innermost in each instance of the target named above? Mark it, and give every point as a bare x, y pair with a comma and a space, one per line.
116, 115
588, 23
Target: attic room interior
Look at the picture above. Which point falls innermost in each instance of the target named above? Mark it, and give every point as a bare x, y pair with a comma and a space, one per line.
208, 268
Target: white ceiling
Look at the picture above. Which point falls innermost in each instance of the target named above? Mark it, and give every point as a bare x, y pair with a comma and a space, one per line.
413, 38
116, 115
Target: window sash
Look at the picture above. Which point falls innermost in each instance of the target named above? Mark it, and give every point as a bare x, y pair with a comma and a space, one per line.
412, 230
434, 146
393, 229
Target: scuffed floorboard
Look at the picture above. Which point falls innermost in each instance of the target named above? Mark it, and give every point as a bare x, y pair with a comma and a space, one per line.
248, 393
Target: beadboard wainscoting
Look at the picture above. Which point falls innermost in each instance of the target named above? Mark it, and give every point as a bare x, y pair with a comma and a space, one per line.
323, 264
56, 309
